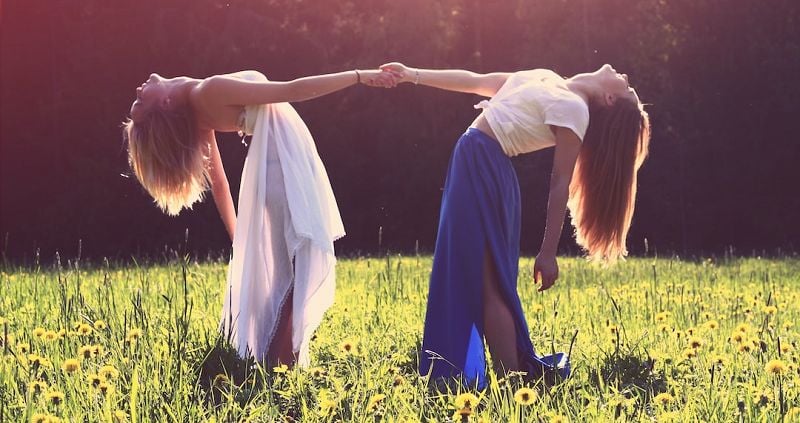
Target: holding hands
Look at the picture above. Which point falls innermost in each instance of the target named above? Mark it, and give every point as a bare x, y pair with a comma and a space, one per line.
388, 76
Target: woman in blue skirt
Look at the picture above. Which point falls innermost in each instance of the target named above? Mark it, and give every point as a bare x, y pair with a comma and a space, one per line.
600, 132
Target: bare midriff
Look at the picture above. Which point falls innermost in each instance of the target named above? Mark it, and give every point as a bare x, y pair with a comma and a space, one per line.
480, 123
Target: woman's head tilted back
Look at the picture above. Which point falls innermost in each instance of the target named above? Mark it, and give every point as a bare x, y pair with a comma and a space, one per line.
164, 151
603, 189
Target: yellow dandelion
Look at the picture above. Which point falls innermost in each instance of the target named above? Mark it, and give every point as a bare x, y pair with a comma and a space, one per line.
664, 328
120, 416
71, 365
37, 387
326, 406
38, 361
50, 335
374, 401
776, 367
38, 332
99, 325
695, 342
786, 348
317, 372
108, 372
663, 316
281, 369
97, 350
737, 336
719, 360
85, 352
745, 347
134, 334
690, 331
462, 414
525, 396
105, 388
23, 348
536, 308
712, 324
62, 333
689, 353
398, 380
55, 397
40, 418
220, 379
95, 380
787, 326
770, 310
613, 329
743, 327
348, 347
664, 399
762, 398
467, 400
84, 329
558, 418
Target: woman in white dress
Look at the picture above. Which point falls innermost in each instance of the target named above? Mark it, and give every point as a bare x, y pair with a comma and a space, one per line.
282, 275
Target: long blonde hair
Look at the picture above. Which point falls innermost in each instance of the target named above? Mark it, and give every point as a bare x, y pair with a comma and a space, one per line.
167, 158
602, 193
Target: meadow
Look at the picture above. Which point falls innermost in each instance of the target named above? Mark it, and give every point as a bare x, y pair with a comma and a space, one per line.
657, 340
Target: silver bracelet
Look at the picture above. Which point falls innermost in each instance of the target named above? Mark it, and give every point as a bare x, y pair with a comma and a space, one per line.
416, 76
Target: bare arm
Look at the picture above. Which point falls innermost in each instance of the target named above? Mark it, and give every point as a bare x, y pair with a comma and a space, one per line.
568, 146
485, 84
229, 90
220, 188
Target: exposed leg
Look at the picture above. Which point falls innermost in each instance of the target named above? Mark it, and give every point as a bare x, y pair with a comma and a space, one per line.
280, 350
498, 322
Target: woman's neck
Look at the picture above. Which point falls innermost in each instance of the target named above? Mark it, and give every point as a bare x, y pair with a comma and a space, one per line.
583, 84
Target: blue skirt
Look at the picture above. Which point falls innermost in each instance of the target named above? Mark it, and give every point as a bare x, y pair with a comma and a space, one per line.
480, 209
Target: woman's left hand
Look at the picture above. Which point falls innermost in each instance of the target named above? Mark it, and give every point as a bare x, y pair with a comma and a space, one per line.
378, 78
545, 268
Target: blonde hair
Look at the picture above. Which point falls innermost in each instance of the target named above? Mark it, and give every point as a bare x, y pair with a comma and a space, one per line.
167, 158
602, 193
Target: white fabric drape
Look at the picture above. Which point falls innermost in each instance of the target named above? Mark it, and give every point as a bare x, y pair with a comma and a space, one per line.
286, 225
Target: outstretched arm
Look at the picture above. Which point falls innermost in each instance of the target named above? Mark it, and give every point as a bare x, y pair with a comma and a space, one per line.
220, 188
568, 146
229, 90
464, 81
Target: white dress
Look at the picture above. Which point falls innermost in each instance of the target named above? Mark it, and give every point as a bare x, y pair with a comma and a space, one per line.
286, 225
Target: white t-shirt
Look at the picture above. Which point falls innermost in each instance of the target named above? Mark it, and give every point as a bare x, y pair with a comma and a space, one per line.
521, 112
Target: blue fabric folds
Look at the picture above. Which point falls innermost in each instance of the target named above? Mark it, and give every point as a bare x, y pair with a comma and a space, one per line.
480, 209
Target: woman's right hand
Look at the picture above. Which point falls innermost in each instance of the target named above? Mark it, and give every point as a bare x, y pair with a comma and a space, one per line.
378, 78
403, 72
545, 268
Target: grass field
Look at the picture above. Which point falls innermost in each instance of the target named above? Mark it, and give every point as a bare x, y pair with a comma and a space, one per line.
657, 340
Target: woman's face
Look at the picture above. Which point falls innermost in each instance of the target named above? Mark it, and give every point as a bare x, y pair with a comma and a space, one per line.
153, 93
614, 85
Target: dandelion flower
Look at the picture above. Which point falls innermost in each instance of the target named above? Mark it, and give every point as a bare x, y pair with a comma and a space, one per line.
689, 353
525, 396
762, 398
558, 418
281, 369
374, 401
613, 329
84, 329
786, 348
85, 352
776, 367
719, 360
40, 418
467, 400
105, 388
664, 328
737, 336
97, 350
326, 406
108, 371
55, 397
664, 399
62, 333
398, 380
745, 347
695, 342
663, 316
712, 324
71, 365
134, 334
348, 347
462, 414
317, 372
743, 327
38, 361
50, 335
23, 348
99, 325
38, 332
770, 310
95, 380
37, 387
